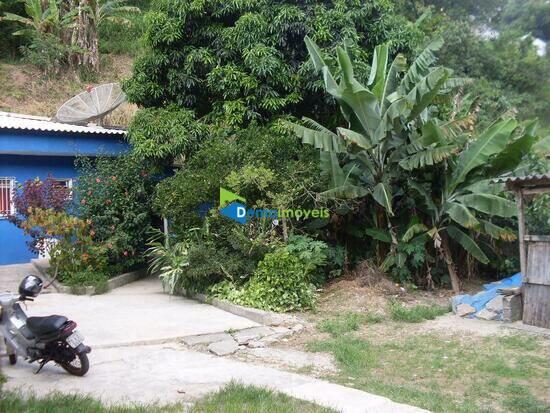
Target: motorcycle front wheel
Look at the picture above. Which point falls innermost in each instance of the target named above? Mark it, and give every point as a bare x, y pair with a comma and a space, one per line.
78, 366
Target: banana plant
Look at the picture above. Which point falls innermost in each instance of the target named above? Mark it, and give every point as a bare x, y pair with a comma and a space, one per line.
464, 197
383, 118
43, 17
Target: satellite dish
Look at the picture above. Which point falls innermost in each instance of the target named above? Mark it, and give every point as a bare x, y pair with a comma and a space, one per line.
93, 104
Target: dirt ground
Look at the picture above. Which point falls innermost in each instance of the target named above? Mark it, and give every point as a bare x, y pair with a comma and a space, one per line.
447, 364
25, 90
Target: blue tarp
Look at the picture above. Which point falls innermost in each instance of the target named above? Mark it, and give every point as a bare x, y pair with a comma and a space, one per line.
479, 300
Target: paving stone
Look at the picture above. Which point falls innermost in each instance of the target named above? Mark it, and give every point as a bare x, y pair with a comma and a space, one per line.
250, 334
512, 308
486, 314
464, 310
223, 348
295, 358
297, 328
206, 338
495, 304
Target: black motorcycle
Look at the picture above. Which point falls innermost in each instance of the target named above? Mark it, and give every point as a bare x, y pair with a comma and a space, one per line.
41, 339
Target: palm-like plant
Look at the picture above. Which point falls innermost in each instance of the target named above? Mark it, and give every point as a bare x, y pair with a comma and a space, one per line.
392, 129
90, 15
465, 197
42, 18
168, 261
384, 119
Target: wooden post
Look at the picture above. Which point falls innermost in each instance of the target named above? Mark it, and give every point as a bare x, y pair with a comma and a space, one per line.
521, 230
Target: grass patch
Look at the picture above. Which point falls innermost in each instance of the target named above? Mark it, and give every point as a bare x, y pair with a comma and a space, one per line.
233, 398
520, 342
347, 323
446, 374
62, 403
416, 314
237, 398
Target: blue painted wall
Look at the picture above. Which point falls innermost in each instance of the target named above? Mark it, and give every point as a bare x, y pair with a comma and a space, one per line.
23, 142
19, 159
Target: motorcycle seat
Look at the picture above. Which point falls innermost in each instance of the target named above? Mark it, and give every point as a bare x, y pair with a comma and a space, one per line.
45, 325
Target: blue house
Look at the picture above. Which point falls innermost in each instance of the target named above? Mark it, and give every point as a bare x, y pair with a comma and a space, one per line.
35, 147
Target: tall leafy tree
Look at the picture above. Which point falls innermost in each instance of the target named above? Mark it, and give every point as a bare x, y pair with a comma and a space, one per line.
237, 62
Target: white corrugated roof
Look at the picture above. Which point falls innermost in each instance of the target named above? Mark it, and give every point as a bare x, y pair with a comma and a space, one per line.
28, 122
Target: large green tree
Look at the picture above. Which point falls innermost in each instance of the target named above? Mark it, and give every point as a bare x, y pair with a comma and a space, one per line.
233, 62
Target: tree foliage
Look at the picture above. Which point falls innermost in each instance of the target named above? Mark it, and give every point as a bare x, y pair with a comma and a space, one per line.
393, 126
241, 61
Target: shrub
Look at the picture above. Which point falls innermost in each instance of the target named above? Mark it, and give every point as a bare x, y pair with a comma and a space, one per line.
37, 194
169, 261
163, 134
76, 250
47, 53
280, 283
88, 278
114, 196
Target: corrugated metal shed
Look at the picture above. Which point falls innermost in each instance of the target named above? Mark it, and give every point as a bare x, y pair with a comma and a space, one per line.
40, 123
513, 182
534, 251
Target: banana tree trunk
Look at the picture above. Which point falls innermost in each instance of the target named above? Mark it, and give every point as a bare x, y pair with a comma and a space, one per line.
445, 252
86, 35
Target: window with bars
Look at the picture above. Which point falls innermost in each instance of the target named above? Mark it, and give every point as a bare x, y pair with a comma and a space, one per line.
7, 185
66, 183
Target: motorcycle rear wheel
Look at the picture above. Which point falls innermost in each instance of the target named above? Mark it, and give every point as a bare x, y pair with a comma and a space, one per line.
79, 366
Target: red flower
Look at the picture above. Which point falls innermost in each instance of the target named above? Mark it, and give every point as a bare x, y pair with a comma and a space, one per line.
83, 202
125, 253
98, 180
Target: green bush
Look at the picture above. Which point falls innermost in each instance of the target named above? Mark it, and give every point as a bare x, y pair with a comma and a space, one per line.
88, 278
280, 283
114, 197
47, 53
164, 134
169, 261
263, 165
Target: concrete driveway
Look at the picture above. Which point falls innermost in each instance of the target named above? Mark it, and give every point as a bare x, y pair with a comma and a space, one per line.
11, 275
136, 314
137, 355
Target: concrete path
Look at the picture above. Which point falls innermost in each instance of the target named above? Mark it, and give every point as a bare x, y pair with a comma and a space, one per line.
170, 373
137, 313
125, 329
11, 275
